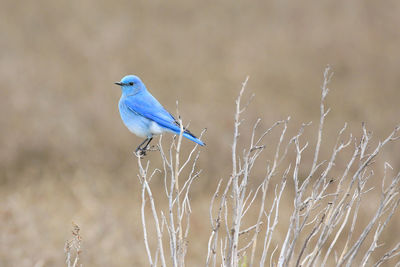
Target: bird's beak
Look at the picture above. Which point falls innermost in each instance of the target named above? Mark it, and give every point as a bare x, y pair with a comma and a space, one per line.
118, 83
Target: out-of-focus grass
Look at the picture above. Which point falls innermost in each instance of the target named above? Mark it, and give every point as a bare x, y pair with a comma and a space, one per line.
65, 155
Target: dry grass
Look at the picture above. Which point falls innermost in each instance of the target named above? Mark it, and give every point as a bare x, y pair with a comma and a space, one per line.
65, 156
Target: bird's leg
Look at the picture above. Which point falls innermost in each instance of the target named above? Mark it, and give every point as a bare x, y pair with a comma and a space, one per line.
145, 147
142, 150
140, 146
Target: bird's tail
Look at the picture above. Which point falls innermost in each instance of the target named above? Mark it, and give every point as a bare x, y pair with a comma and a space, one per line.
187, 134
193, 138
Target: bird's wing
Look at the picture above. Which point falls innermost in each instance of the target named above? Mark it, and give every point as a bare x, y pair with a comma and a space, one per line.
147, 106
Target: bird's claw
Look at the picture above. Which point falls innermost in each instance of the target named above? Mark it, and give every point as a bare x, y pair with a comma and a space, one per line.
140, 152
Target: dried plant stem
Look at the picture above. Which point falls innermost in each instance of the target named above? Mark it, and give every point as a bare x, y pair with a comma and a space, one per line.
146, 189
325, 205
72, 248
327, 199
178, 219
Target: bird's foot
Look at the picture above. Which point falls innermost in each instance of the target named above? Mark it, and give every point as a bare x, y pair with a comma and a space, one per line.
140, 152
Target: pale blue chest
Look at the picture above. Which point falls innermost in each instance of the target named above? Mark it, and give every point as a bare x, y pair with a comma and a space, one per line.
137, 124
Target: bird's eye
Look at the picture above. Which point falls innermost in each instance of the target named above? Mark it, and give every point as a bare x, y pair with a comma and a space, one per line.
131, 83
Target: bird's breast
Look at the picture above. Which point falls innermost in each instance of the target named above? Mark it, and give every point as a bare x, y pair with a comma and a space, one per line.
136, 123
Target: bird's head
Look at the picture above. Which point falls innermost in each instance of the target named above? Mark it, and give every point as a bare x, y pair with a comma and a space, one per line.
131, 84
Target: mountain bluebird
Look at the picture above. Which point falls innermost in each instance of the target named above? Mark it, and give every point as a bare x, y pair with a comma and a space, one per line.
144, 116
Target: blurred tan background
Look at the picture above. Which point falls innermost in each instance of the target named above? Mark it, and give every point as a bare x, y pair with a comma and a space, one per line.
66, 156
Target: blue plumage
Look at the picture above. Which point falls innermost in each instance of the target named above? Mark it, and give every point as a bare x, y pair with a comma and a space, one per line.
143, 115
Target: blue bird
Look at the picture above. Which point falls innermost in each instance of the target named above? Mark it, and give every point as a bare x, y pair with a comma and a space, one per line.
144, 116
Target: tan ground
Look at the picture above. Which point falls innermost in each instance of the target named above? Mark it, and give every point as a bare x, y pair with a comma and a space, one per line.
65, 155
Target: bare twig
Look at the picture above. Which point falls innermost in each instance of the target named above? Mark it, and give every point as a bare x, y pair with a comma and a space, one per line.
72, 247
